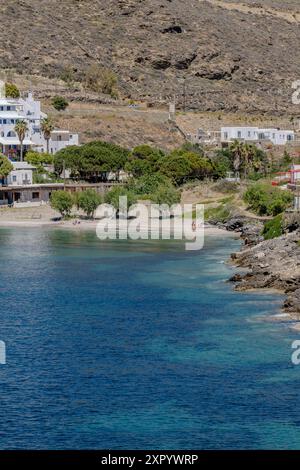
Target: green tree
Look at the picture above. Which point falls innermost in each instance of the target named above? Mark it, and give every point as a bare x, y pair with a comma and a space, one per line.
21, 128
62, 201
11, 91
88, 201
38, 159
112, 197
59, 103
237, 149
176, 167
144, 160
148, 184
5, 166
265, 199
166, 195
47, 127
221, 164
92, 161
247, 158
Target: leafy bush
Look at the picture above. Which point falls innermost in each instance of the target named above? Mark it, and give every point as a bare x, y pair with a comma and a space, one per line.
38, 159
148, 184
112, 197
267, 200
59, 103
273, 228
62, 201
88, 201
11, 90
166, 195
5, 166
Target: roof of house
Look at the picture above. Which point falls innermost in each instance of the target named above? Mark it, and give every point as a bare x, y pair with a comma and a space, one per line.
14, 141
60, 131
22, 166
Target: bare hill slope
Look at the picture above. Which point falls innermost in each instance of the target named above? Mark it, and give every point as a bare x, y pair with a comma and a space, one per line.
234, 56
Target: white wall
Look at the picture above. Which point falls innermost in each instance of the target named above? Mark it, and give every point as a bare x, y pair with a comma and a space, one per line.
20, 177
276, 136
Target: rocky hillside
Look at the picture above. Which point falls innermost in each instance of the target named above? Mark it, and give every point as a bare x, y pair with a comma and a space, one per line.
273, 264
233, 56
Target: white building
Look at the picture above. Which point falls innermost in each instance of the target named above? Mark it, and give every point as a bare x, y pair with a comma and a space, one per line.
255, 134
295, 174
14, 110
59, 140
21, 174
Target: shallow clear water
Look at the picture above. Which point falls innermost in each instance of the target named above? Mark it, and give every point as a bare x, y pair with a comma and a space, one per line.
128, 345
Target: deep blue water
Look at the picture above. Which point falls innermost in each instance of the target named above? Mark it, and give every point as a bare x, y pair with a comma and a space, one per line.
128, 345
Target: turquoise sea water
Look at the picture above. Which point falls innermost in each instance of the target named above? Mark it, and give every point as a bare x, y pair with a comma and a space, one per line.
128, 345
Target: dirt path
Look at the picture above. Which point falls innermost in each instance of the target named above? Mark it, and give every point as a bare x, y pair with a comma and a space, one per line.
289, 16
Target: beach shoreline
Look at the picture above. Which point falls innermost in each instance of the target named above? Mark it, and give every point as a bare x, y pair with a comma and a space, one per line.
79, 224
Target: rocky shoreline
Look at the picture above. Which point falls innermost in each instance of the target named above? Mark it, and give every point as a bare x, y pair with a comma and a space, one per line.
271, 264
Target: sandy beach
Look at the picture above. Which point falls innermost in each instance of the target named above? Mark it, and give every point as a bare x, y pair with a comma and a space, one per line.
45, 216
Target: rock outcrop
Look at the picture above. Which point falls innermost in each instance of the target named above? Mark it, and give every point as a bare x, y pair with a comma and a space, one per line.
272, 264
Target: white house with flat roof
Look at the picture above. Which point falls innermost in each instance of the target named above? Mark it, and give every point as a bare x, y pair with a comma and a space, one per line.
59, 140
256, 134
29, 110
21, 174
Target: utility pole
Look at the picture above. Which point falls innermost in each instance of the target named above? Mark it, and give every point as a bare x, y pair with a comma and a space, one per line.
64, 174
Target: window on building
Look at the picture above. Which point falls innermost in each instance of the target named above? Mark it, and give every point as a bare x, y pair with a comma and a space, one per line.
8, 108
4, 121
239, 134
35, 195
249, 133
11, 134
14, 178
226, 135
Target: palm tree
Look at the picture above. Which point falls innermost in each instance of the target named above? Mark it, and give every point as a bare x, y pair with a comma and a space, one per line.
46, 128
21, 128
237, 150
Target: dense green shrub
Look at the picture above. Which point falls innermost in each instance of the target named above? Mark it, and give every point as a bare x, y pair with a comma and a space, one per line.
112, 197
11, 91
148, 184
273, 228
265, 199
38, 159
88, 201
62, 201
5, 166
166, 195
59, 103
